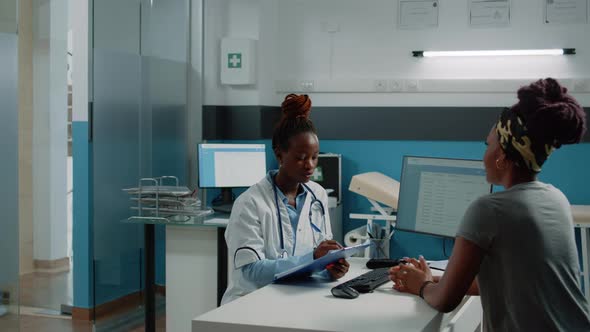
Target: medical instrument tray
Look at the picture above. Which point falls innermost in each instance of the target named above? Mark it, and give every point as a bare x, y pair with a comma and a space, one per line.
165, 202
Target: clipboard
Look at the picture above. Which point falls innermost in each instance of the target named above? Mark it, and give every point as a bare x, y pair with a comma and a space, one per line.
320, 263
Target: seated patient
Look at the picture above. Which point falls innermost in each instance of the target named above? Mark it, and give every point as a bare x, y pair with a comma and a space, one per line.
516, 247
282, 221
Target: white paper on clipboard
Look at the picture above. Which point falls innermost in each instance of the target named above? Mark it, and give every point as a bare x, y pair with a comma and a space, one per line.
320, 263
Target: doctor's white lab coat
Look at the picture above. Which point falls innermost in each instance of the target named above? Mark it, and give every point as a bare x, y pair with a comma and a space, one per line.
253, 232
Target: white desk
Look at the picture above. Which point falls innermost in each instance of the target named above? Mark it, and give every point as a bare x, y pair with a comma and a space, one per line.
581, 215
192, 267
311, 307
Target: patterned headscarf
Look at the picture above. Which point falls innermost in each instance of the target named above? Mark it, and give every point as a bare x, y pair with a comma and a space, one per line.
544, 118
518, 145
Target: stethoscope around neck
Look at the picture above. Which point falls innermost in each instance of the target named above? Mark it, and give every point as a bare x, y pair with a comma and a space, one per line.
314, 227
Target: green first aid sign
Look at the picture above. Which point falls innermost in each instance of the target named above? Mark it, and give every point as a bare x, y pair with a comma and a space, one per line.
234, 60
318, 175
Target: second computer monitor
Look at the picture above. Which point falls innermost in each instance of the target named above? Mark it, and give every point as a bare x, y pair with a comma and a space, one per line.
435, 193
231, 165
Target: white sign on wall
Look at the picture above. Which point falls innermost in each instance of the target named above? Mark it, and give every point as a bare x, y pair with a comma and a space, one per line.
489, 13
238, 61
566, 11
418, 14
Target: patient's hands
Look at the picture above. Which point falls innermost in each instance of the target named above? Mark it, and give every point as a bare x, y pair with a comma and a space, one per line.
408, 278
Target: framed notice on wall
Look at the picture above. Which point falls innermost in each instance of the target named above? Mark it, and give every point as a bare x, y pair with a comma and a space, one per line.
566, 11
418, 14
489, 13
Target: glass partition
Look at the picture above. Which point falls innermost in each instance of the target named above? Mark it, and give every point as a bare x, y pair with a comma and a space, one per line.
164, 49
115, 161
138, 130
9, 245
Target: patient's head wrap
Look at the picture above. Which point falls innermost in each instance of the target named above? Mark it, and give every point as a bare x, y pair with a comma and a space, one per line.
518, 145
545, 118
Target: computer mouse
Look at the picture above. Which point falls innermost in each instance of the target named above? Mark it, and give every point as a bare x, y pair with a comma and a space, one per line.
345, 292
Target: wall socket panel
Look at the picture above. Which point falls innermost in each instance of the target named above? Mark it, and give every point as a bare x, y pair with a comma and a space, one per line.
381, 85
411, 86
407, 85
580, 85
307, 86
396, 85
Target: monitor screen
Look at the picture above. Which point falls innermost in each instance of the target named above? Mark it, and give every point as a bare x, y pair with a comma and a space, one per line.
435, 193
231, 165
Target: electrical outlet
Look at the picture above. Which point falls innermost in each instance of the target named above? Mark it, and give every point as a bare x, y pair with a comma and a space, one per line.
581, 86
412, 85
396, 85
307, 86
380, 85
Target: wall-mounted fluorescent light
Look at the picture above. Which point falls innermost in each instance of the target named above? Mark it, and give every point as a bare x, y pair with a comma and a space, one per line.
558, 51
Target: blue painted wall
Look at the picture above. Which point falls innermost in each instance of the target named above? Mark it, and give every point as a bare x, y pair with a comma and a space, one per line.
82, 233
565, 169
82, 223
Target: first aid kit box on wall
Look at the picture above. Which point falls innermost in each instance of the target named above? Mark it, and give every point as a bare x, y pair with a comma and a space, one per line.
238, 61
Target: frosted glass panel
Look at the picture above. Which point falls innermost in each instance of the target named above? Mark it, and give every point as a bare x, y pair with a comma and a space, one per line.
165, 25
115, 166
164, 45
9, 246
139, 129
115, 149
116, 25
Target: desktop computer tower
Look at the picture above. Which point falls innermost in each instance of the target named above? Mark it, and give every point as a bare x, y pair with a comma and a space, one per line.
329, 175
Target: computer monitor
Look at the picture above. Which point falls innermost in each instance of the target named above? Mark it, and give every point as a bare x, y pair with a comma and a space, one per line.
229, 166
435, 193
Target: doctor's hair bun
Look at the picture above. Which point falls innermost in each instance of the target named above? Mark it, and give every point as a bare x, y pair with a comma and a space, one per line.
296, 106
552, 116
295, 120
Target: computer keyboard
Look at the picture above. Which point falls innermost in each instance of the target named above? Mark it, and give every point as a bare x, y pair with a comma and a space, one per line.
375, 263
368, 281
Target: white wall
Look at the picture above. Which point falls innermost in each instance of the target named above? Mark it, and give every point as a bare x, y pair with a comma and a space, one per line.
294, 44
228, 18
79, 21
49, 129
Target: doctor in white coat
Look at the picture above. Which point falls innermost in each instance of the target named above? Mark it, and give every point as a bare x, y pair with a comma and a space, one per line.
282, 221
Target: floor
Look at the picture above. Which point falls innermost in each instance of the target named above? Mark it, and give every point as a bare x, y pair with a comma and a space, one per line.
40, 323
42, 295
46, 290
33, 323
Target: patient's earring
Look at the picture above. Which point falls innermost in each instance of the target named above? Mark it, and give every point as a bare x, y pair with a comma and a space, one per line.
498, 164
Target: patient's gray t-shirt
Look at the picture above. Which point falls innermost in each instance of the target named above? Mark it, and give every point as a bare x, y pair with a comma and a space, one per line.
529, 277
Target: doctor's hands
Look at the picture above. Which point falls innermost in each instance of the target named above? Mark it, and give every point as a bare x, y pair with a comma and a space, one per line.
408, 278
338, 270
325, 247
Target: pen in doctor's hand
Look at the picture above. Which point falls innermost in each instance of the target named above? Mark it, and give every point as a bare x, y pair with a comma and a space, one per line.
325, 247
